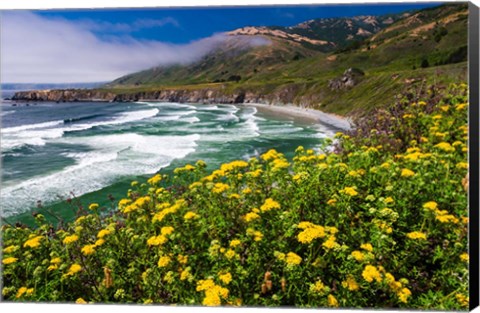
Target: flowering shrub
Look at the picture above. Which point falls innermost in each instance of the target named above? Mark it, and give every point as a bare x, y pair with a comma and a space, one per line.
364, 227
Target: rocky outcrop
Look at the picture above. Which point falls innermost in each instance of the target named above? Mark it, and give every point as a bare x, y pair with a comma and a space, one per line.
206, 95
350, 78
64, 95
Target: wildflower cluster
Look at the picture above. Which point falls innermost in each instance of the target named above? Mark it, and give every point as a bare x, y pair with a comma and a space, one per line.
365, 225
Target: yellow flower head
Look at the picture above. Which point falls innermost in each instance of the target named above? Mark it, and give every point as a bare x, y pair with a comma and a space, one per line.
70, 239
190, 216
431, 205
332, 301
220, 188
225, 278
93, 206
269, 204
167, 230
74, 268
164, 261
350, 283
9, 260
251, 216
358, 255
293, 259
349, 191
88, 249
367, 246
465, 257
103, 233
371, 273
234, 243
417, 235
445, 146
310, 233
230, 254
407, 173
33, 242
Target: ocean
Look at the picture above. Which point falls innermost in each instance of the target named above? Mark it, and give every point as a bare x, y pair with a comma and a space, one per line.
92, 151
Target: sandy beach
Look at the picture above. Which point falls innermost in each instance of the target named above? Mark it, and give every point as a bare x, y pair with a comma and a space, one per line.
334, 120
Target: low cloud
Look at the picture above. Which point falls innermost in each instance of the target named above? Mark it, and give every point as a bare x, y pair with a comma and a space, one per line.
36, 49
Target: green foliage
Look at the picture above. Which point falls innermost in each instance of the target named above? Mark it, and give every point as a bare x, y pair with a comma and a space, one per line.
363, 226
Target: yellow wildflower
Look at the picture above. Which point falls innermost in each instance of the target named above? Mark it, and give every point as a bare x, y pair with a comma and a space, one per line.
234, 243
330, 243
463, 300
164, 261
70, 239
230, 254
465, 257
251, 216
220, 187
205, 284
99, 242
358, 255
269, 204
182, 259
20, 292
190, 216
332, 301
332, 202
311, 233
370, 273
447, 218
33, 242
225, 278
167, 230
154, 180
417, 235
445, 146
74, 268
80, 301
88, 249
93, 206
318, 287
367, 246
350, 283
349, 191
10, 249
404, 294
431, 205
407, 173
9, 260
103, 233
185, 274
293, 259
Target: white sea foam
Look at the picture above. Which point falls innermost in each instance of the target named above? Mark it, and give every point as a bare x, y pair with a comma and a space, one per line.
17, 129
112, 156
190, 120
173, 105
38, 134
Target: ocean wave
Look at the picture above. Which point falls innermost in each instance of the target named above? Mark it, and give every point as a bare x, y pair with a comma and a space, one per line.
112, 157
38, 134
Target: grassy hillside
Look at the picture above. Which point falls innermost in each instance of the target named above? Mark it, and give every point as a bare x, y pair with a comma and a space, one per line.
428, 45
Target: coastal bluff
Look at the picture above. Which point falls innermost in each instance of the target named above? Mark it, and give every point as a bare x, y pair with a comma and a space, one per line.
217, 94
170, 95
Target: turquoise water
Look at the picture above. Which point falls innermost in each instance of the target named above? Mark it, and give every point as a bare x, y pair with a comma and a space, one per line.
52, 151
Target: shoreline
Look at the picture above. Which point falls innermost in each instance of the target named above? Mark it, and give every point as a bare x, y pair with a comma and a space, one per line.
337, 121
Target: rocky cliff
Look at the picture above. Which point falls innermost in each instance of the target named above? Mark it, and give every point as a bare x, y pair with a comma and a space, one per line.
206, 95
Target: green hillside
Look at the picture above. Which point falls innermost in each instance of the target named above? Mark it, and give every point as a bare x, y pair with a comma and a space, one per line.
429, 44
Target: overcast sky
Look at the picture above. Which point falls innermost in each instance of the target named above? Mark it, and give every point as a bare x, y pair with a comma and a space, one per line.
66, 46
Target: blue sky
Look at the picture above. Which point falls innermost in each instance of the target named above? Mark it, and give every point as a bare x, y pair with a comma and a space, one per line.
91, 45
186, 24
